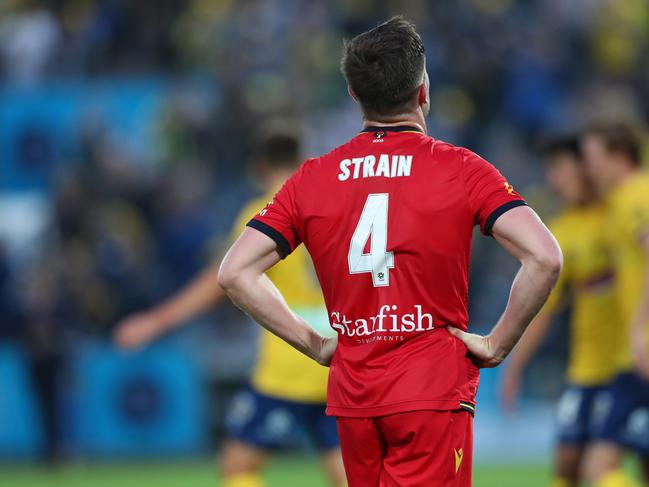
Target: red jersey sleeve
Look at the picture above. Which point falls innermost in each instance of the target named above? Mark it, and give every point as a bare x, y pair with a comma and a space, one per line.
279, 219
489, 193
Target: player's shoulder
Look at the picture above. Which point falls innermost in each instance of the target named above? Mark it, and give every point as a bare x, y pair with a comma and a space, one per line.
639, 187
445, 150
631, 194
462, 157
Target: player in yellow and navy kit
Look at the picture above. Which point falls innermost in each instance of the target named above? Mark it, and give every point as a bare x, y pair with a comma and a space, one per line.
613, 156
586, 282
286, 398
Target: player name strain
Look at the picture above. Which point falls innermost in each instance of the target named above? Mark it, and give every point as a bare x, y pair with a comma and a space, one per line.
371, 166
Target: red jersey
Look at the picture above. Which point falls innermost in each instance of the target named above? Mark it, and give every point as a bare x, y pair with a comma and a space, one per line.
388, 220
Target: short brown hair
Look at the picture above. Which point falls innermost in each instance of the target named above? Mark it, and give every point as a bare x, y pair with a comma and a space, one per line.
278, 149
561, 144
384, 66
619, 138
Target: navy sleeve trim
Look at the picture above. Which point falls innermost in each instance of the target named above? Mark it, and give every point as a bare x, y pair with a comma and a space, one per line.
282, 244
498, 212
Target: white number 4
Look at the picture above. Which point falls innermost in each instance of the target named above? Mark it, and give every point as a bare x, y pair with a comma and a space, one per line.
372, 224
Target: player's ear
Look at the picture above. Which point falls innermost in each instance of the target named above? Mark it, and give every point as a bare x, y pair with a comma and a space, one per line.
423, 98
423, 95
351, 93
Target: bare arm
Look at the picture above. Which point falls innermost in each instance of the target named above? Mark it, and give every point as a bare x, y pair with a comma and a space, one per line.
639, 327
195, 298
242, 276
523, 235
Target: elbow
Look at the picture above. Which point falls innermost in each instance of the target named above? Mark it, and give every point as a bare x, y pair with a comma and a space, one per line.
550, 261
226, 277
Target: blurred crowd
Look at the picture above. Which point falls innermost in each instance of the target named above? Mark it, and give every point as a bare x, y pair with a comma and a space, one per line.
122, 233
533, 63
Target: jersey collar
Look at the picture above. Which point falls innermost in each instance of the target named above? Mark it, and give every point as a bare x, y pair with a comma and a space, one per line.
392, 128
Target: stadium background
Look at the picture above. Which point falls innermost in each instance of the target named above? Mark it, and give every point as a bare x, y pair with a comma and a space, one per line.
125, 134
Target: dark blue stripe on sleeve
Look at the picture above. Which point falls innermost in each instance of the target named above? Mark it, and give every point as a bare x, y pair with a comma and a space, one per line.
282, 244
498, 212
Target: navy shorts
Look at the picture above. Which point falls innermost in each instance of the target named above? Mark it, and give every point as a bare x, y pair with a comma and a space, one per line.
625, 413
271, 423
577, 414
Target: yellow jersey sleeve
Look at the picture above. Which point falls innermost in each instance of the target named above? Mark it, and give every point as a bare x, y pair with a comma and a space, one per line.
633, 216
586, 284
628, 224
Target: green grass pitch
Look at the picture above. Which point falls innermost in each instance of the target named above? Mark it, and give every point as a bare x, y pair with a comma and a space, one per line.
282, 472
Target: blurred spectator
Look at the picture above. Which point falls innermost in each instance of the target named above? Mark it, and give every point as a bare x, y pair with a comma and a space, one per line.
29, 36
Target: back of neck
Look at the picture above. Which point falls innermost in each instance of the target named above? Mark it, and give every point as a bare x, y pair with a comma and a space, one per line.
412, 119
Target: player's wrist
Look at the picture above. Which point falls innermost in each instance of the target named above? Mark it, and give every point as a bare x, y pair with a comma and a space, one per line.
500, 348
322, 344
310, 343
326, 348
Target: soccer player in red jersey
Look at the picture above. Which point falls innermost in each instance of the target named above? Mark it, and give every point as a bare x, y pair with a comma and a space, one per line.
388, 219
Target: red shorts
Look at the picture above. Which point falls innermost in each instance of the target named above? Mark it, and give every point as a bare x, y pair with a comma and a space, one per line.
413, 449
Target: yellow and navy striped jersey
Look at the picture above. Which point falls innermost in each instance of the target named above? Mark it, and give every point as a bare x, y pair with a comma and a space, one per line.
587, 279
627, 224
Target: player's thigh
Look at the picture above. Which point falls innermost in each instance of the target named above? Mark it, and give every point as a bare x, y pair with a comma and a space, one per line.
362, 451
321, 429
610, 410
574, 415
263, 422
575, 423
622, 416
428, 449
